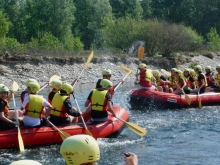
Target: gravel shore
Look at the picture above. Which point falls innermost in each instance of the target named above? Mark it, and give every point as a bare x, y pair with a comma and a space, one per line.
20, 72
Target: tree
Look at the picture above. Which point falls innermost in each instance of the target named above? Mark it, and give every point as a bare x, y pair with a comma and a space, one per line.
4, 25
123, 8
121, 33
213, 39
89, 17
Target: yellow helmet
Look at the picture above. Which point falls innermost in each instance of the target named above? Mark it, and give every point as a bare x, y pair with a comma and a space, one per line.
105, 83
106, 72
156, 73
67, 88
31, 80
142, 65
25, 162
179, 72
198, 67
56, 84
208, 68
3, 88
191, 72
217, 67
79, 149
173, 69
33, 86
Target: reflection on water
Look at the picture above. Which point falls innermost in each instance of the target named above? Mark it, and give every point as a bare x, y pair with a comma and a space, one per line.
186, 136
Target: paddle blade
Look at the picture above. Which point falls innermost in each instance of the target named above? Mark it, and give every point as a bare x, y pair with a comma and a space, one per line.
88, 132
15, 86
140, 52
188, 100
55, 77
63, 135
126, 69
136, 129
89, 59
165, 72
199, 102
20, 141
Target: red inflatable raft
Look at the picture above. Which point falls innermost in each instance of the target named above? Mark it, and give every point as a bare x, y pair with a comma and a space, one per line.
48, 135
151, 98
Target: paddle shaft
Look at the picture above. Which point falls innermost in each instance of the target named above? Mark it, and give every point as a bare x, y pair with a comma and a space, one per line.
75, 81
79, 111
122, 80
66, 135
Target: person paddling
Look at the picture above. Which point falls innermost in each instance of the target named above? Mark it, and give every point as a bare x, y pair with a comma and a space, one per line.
56, 86
201, 81
145, 78
63, 112
100, 101
25, 92
5, 121
160, 81
36, 108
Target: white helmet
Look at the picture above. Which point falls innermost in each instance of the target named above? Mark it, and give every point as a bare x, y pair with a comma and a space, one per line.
25, 162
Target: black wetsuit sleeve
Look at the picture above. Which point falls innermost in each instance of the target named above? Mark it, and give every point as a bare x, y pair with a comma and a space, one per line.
108, 97
163, 78
68, 107
98, 84
51, 95
191, 79
2, 106
90, 95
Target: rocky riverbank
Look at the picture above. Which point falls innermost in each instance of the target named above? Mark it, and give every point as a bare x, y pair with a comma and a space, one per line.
19, 68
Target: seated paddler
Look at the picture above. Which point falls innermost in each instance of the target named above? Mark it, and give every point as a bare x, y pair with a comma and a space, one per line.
36, 108
145, 78
100, 101
5, 121
56, 86
63, 112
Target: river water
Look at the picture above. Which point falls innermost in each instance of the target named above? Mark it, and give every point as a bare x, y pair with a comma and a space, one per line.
175, 137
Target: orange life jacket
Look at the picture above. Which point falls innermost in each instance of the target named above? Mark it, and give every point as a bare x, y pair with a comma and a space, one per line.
5, 107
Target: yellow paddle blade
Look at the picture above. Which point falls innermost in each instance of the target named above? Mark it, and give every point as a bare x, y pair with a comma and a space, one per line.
165, 72
126, 69
15, 86
63, 135
89, 59
140, 52
55, 77
137, 129
188, 100
199, 101
20, 141
88, 132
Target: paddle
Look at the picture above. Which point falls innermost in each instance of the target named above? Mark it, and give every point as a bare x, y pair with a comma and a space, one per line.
86, 64
165, 72
199, 100
140, 52
87, 131
126, 69
188, 100
134, 127
140, 55
54, 77
20, 140
63, 135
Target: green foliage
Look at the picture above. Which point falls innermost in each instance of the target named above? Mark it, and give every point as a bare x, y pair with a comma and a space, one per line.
213, 40
121, 33
11, 43
4, 25
125, 8
48, 41
73, 44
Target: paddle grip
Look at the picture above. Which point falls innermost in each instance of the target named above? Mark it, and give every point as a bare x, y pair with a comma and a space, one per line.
126, 154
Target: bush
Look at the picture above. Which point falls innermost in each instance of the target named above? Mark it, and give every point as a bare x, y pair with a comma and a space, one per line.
48, 41
213, 40
11, 43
